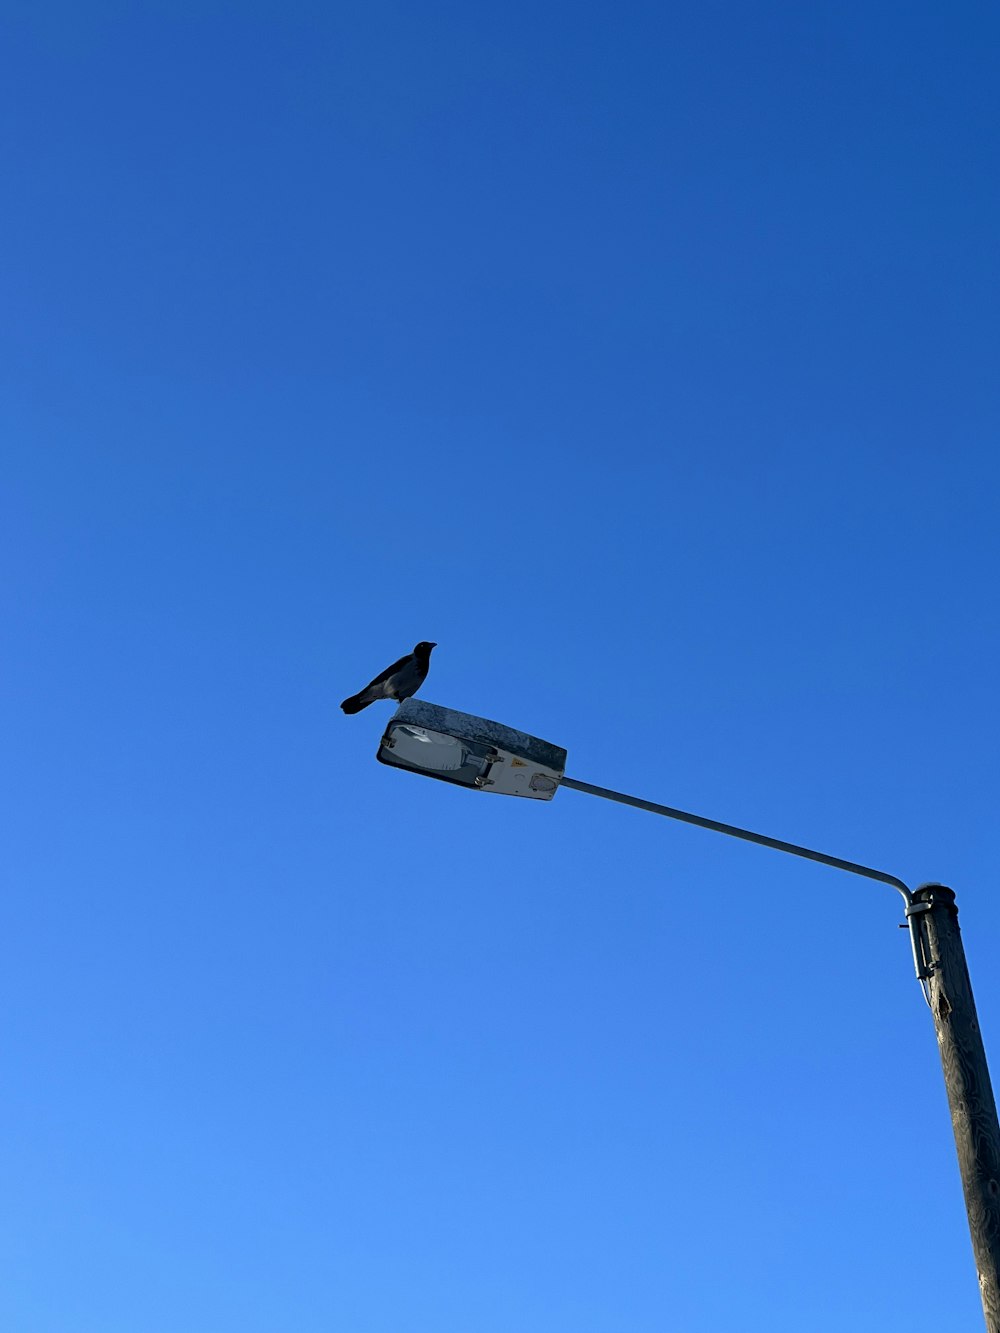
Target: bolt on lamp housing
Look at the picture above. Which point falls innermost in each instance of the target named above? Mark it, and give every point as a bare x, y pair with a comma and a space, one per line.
471, 751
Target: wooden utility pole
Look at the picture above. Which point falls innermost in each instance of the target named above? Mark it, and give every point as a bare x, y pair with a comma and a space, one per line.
939, 960
967, 1081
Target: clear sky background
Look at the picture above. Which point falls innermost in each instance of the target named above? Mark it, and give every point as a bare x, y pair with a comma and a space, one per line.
645, 357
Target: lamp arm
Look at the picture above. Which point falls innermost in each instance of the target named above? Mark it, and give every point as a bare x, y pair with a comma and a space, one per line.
793, 849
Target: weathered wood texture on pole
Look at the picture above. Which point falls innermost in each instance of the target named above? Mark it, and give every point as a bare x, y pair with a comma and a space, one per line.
967, 1081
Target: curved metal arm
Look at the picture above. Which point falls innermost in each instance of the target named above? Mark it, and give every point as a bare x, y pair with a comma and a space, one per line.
793, 849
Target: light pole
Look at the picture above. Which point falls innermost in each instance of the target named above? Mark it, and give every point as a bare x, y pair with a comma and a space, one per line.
488, 756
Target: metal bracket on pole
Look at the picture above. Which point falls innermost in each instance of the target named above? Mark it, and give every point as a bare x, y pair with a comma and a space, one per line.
921, 954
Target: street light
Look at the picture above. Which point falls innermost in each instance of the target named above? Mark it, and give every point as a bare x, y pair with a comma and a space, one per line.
488, 756
470, 751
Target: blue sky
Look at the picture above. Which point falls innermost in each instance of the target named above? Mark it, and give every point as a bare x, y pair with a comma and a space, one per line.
642, 356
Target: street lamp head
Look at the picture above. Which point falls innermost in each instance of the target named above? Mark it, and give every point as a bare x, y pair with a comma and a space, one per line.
471, 751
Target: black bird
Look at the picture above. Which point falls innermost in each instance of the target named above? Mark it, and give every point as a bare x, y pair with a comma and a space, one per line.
399, 681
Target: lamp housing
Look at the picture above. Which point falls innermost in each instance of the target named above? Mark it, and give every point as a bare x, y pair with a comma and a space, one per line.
471, 751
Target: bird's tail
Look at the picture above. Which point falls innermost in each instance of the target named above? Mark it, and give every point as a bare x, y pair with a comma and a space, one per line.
355, 703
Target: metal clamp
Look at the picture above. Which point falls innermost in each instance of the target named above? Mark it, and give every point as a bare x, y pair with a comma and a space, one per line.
925, 906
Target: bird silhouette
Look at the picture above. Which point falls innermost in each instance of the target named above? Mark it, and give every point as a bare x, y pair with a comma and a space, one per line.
399, 681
